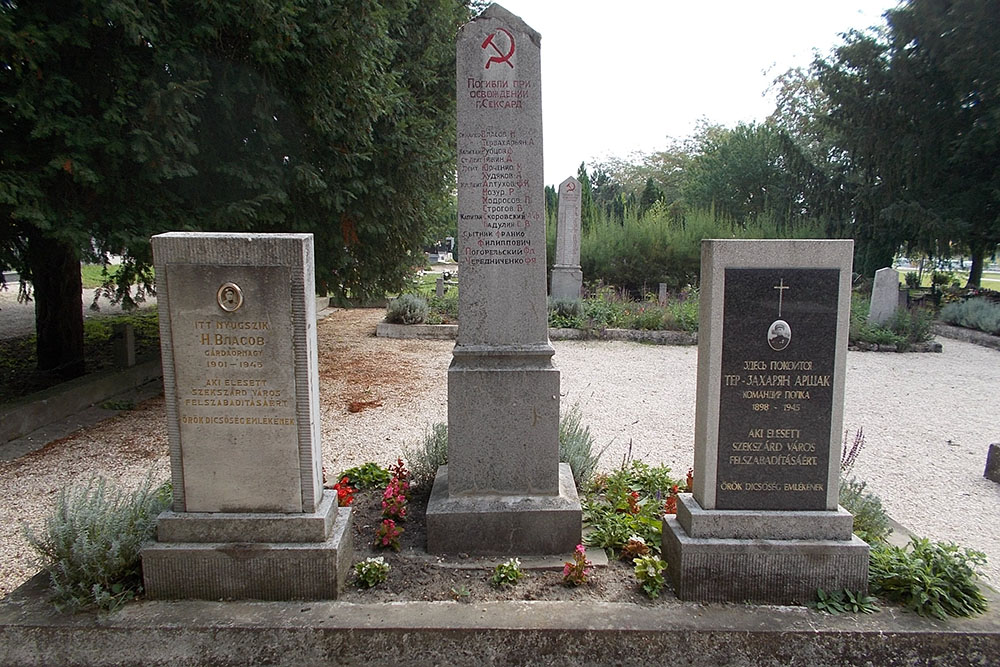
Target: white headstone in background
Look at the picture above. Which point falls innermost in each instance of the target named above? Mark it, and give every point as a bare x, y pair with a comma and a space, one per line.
885, 296
567, 278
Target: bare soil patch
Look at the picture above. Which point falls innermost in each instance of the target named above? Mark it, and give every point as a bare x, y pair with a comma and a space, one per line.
416, 575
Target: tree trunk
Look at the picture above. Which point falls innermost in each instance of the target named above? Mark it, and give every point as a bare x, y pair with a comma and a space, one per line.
976, 270
58, 294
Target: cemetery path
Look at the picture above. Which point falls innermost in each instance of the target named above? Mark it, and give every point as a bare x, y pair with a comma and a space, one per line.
927, 418
18, 319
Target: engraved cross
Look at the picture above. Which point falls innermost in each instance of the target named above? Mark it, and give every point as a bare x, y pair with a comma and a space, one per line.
781, 287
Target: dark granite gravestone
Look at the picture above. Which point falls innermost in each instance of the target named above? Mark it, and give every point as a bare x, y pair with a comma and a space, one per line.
763, 523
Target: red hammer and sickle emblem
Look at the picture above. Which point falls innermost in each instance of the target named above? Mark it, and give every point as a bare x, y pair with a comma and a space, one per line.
501, 58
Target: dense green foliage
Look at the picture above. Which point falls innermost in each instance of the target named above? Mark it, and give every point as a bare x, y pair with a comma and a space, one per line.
931, 578
871, 523
607, 307
981, 314
407, 309
904, 329
626, 503
912, 131
122, 119
90, 542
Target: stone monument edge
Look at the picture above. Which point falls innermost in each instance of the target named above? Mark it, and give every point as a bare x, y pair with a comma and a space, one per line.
748, 253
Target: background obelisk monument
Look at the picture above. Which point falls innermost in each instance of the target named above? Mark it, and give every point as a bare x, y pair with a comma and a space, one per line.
503, 490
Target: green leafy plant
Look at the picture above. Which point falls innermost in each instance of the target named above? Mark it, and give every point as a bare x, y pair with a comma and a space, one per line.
429, 455
366, 476
578, 570
649, 574
507, 573
629, 502
839, 602
936, 579
912, 279
91, 541
407, 309
566, 313
370, 572
871, 523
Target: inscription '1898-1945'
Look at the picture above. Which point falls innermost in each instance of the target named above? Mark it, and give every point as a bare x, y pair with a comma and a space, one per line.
776, 395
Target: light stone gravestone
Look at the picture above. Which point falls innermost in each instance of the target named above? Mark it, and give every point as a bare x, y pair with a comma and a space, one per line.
250, 517
439, 287
661, 297
503, 490
885, 296
567, 278
763, 523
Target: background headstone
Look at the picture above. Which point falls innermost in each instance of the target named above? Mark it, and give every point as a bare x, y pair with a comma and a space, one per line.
763, 523
238, 337
885, 296
439, 287
992, 472
503, 490
662, 294
567, 278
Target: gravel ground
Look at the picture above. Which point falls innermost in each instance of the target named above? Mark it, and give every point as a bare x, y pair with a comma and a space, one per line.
928, 419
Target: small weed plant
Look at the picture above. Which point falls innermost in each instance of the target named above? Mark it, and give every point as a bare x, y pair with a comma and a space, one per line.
576, 446
649, 573
849, 454
578, 570
566, 314
371, 572
507, 573
429, 455
936, 579
844, 601
407, 309
90, 542
871, 523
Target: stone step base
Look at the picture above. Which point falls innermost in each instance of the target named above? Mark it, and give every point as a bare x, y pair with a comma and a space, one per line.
761, 571
250, 571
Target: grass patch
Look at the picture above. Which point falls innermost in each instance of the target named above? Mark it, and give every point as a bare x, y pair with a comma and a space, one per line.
19, 359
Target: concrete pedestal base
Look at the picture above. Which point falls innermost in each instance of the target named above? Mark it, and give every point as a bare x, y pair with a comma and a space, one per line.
783, 564
495, 525
567, 282
212, 556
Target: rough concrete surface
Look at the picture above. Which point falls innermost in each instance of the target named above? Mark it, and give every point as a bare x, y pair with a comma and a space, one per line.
494, 633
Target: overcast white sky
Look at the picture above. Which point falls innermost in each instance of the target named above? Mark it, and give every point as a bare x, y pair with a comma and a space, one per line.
624, 75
